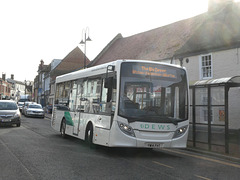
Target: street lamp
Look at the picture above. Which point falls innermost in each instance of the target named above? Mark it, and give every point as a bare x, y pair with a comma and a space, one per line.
28, 87
84, 42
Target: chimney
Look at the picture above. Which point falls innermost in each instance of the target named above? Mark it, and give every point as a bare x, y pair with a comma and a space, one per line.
40, 66
4, 76
217, 5
42, 62
12, 76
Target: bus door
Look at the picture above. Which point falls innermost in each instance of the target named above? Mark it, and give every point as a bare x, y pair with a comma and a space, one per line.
77, 109
105, 106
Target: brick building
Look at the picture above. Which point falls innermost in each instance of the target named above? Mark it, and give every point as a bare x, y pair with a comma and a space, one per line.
5, 88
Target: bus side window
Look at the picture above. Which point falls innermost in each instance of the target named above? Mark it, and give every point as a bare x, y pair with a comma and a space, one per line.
63, 91
72, 96
84, 99
114, 94
66, 91
79, 96
108, 98
95, 95
59, 93
91, 95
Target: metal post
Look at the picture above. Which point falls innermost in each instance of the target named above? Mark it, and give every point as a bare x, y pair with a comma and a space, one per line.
194, 116
25, 86
85, 44
226, 120
1, 90
209, 117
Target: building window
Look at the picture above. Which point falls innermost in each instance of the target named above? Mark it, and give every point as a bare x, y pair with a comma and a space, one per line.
206, 66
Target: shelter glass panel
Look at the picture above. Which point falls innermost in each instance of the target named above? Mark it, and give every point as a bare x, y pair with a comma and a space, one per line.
202, 133
218, 115
201, 96
190, 96
217, 94
202, 115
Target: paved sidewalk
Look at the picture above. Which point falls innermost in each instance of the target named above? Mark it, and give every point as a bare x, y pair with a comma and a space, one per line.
49, 116
214, 154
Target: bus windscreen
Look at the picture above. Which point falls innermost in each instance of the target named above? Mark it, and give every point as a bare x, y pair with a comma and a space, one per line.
153, 93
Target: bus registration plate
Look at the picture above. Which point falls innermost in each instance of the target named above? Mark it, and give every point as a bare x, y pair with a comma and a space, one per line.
155, 145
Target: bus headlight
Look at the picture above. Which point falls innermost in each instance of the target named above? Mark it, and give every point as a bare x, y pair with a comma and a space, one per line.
126, 129
180, 131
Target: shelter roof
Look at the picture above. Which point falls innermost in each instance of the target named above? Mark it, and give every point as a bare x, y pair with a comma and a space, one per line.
232, 81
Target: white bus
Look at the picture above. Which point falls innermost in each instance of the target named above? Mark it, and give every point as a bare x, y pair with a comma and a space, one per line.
125, 103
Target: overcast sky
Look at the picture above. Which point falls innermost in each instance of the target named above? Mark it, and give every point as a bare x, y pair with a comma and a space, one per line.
32, 30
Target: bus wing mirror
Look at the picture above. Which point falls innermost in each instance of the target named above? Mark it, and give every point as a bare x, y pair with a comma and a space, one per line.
110, 82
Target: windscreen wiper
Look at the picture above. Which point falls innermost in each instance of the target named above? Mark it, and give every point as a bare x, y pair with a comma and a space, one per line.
173, 120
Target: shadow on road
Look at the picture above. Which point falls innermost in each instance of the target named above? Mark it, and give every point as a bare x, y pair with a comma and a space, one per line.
6, 126
119, 151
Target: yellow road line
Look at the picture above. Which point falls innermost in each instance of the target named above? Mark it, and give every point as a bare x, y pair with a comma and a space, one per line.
201, 177
163, 164
204, 158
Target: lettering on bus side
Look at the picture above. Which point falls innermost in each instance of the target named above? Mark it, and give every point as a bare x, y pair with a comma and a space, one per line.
155, 127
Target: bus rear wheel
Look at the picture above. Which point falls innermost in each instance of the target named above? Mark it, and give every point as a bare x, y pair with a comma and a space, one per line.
63, 128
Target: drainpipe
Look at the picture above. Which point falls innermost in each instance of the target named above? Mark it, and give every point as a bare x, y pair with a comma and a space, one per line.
181, 61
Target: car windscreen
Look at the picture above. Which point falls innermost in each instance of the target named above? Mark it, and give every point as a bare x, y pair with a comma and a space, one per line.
8, 106
35, 106
22, 100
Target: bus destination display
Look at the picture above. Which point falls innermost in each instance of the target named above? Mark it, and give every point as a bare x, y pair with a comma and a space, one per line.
154, 71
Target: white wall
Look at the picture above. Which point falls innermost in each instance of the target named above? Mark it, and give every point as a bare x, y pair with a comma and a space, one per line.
224, 64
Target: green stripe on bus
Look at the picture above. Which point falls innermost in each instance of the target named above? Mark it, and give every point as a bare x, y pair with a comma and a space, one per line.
68, 118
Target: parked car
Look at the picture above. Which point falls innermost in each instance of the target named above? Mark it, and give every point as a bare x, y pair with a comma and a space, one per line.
35, 110
20, 105
23, 98
25, 105
9, 113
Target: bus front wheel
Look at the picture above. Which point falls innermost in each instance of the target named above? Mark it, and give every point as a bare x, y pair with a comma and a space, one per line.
89, 135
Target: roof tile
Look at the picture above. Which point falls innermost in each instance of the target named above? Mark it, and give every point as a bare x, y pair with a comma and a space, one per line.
72, 62
157, 44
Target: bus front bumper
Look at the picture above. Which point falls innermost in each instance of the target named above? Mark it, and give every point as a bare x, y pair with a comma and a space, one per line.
144, 139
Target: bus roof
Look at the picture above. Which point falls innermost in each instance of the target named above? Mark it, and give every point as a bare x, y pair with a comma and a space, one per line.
101, 69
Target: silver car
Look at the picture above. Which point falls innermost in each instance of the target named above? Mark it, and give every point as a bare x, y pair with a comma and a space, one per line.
25, 105
35, 110
9, 113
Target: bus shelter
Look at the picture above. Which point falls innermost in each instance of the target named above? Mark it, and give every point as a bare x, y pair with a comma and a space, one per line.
210, 114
